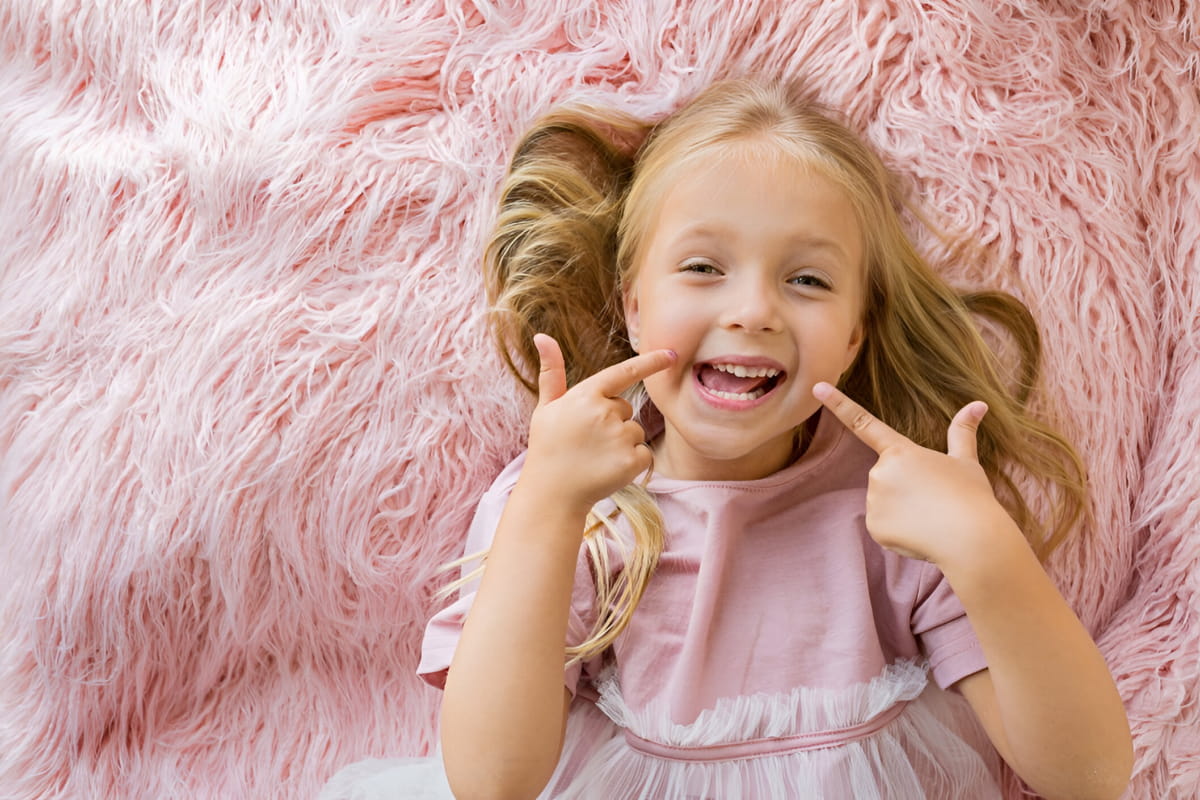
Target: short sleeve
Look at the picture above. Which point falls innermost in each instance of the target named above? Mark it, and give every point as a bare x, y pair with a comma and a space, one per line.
943, 630
444, 629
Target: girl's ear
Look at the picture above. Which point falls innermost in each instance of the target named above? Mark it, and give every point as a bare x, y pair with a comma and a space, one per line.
855, 344
630, 302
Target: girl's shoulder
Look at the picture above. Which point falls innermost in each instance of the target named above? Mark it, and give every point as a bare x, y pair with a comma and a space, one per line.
491, 506
502, 485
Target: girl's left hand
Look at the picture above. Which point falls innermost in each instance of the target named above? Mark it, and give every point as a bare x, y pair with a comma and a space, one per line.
922, 503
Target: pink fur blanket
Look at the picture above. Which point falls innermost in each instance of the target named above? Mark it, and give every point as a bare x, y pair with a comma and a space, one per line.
247, 401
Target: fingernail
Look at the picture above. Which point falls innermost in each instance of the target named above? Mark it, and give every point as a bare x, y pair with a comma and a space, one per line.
821, 390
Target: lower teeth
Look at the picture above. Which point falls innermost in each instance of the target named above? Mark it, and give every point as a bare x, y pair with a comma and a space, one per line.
757, 393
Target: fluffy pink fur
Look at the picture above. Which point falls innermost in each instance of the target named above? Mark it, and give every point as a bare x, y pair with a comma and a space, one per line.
247, 400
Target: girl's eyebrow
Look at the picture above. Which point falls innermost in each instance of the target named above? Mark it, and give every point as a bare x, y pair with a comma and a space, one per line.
806, 241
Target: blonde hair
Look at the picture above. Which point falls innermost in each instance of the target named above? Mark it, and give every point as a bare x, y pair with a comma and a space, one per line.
582, 189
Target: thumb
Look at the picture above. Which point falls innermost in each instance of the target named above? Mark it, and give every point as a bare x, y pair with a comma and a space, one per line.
552, 373
961, 436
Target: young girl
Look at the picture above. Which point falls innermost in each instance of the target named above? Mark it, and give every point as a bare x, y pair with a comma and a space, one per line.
763, 585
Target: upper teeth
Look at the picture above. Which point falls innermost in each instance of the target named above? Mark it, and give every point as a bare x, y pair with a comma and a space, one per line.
747, 372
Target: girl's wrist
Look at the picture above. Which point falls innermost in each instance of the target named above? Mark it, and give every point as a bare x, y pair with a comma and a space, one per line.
551, 504
984, 554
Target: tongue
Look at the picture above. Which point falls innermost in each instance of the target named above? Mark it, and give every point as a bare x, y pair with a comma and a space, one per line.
719, 381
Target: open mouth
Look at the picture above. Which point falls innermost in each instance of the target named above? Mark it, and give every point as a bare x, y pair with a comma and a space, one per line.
737, 381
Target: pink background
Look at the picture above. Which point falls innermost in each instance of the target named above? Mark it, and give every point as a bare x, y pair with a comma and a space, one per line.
247, 401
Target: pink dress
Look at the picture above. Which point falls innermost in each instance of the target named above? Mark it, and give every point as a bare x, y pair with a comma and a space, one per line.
778, 651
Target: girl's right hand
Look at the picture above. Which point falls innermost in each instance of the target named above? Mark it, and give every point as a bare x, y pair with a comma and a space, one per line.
583, 442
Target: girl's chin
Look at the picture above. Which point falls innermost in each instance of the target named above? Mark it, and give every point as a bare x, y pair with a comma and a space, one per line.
734, 461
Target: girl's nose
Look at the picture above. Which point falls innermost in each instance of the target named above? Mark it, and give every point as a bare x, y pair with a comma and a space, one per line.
752, 307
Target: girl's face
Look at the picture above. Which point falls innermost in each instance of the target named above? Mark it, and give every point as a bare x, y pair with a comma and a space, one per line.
752, 271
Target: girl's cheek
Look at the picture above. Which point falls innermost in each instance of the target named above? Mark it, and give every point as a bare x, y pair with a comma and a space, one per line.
661, 381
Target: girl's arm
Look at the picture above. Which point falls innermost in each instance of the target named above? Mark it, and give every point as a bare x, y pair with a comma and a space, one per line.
504, 709
1047, 699
505, 703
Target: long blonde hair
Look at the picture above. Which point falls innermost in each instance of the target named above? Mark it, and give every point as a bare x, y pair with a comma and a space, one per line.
574, 210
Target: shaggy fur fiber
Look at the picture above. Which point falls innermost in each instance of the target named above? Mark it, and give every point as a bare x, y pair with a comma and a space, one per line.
247, 400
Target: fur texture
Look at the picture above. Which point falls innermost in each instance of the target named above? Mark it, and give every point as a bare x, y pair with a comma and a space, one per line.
247, 401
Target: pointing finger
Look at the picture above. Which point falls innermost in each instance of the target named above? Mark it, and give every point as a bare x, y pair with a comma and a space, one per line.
552, 373
614, 380
873, 432
961, 437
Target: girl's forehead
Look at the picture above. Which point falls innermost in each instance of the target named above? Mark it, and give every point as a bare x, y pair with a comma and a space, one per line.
749, 169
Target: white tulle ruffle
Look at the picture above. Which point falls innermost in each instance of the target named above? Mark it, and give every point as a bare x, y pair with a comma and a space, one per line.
892, 738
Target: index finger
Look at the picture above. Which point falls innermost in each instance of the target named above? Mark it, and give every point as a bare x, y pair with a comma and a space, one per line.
871, 430
614, 380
